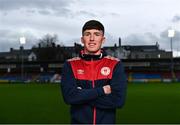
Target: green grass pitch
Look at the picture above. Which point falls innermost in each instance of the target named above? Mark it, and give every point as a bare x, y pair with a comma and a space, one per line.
42, 103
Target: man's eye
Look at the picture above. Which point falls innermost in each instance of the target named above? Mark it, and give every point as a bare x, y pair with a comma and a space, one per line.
86, 34
97, 34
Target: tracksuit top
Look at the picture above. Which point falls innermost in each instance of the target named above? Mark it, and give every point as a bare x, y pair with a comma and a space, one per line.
82, 84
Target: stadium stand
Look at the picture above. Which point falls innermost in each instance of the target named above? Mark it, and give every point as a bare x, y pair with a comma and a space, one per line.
144, 70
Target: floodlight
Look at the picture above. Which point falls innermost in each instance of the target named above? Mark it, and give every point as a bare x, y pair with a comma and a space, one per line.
171, 33
22, 40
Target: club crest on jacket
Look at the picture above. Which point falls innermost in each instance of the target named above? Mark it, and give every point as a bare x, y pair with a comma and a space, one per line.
105, 71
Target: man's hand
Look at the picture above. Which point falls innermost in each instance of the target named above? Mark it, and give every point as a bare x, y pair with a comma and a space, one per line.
107, 89
79, 87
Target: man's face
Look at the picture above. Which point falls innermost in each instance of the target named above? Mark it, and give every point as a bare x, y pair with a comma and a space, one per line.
92, 40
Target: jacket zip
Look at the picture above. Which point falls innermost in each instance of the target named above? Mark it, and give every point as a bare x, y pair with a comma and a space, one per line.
93, 85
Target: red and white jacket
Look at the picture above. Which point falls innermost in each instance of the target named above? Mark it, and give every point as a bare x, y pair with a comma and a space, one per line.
82, 84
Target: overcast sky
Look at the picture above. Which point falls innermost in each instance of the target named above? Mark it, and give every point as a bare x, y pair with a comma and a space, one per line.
137, 22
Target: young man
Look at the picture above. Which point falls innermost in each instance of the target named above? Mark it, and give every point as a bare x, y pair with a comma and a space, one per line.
94, 84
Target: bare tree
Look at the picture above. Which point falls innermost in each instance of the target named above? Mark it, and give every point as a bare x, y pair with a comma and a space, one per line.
46, 48
47, 41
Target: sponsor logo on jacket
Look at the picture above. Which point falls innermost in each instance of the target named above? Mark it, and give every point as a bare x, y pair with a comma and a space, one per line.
80, 71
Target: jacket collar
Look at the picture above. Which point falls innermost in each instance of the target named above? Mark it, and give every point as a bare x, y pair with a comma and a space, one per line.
89, 57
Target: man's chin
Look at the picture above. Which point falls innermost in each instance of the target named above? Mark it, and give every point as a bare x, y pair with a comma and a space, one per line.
94, 52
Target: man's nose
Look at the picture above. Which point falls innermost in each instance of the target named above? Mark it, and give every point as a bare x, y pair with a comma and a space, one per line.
91, 37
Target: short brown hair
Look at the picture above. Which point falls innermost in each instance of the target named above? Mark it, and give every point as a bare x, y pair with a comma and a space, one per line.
93, 24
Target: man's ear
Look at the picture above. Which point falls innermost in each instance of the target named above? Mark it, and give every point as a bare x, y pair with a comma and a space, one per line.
104, 39
82, 41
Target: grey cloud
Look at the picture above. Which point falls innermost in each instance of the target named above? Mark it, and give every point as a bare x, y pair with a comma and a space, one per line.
141, 39
43, 4
151, 39
10, 39
30, 11
72, 13
177, 36
114, 14
7, 40
110, 40
82, 12
44, 12
94, 14
47, 7
166, 40
44, 7
64, 12
3, 32
164, 35
176, 18
151, 36
5, 47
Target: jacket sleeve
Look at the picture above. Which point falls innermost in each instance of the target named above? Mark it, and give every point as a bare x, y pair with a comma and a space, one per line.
118, 85
70, 92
